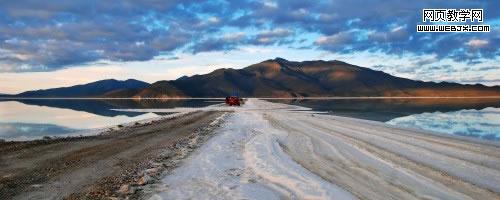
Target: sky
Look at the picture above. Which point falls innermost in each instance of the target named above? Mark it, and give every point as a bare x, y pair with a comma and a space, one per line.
55, 43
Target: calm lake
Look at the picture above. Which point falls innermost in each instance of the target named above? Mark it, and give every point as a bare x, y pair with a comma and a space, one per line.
35, 118
30, 119
471, 117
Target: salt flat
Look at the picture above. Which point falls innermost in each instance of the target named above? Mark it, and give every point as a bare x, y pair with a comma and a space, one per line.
274, 151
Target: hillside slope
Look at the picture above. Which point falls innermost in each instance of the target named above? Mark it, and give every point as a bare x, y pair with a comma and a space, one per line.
94, 89
282, 78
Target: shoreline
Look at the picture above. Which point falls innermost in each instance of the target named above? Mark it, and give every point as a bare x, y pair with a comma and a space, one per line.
261, 150
115, 163
272, 151
424, 131
222, 98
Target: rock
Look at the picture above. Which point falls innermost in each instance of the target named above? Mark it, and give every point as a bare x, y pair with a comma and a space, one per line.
168, 153
156, 164
126, 189
179, 145
170, 163
181, 152
144, 180
151, 171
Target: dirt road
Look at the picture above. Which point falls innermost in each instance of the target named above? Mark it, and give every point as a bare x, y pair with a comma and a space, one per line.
107, 165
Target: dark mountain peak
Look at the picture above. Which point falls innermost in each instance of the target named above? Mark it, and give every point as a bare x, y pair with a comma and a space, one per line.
182, 78
133, 80
283, 63
278, 59
221, 70
265, 66
325, 62
338, 62
115, 80
101, 81
92, 89
127, 81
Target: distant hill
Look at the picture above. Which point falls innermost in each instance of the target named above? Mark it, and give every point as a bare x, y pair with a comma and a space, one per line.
94, 89
282, 78
275, 78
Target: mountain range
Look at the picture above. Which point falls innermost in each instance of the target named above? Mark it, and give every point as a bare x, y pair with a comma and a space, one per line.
274, 78
94, 89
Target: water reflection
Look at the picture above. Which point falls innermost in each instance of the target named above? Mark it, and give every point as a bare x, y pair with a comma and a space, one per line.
104, 107
483, 124
35, 118
472, 117
387, 109
27, 131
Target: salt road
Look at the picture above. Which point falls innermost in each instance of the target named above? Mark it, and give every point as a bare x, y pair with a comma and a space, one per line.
268, 150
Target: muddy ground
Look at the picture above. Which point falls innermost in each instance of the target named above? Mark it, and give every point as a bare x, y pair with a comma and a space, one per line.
114, 164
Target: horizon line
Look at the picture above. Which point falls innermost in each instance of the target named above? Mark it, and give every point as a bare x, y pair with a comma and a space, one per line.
306, 98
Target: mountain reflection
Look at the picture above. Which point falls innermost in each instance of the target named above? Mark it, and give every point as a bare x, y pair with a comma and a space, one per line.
103, 107
471, 117
34, 118
387, 109
483, 124
29, 119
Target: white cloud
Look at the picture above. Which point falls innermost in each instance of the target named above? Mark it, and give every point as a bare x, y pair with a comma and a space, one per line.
234, 36
338, 38
477, 43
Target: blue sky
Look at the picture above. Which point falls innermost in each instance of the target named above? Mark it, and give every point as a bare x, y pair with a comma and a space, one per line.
56, 43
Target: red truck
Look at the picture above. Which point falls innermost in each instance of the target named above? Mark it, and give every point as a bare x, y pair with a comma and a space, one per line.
233, 101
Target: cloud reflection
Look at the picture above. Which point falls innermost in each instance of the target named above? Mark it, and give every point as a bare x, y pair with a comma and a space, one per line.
28, 131
483, 124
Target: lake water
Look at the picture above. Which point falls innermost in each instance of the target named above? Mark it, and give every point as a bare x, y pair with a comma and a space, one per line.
35, 118
471, 117
30, 119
